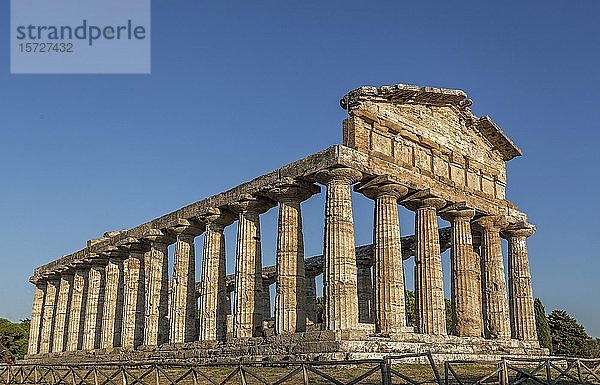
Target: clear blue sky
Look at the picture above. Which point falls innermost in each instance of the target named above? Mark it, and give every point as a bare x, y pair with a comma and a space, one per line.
240, 88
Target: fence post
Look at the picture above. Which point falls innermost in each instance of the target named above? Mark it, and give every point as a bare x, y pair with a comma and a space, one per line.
35, 374
123, 374
548, 373
386, 374
304, 374
157, 374
243, 375
504, 378
446, 371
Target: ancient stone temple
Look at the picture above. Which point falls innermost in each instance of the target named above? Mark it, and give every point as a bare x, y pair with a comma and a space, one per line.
421, 148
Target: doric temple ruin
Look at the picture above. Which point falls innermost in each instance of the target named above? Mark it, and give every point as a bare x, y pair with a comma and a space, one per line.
419, 147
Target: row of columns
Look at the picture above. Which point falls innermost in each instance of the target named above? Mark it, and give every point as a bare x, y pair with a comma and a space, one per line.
121, 298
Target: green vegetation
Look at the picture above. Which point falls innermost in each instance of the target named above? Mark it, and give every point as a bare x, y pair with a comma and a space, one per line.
568, 337
541, 323
13, 339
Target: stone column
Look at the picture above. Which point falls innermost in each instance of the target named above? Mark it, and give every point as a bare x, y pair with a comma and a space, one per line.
520, 293
94, 304
134, 295
429, 285
112, 320
388, 270
61, 323
466, 275
214, 298
339, 252
183, 307
290, 314
36, 318
310, 304
364, 287
495, 304
248, 288
49, 315
78, 308
156, 262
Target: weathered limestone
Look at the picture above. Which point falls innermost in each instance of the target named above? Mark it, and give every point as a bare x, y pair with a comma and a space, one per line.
36, 318
183, 307
132, 334
94, 304
156, 260
48, 315
339, 278
266, 302
466, 274
364, 288
112, 320
310, 303
495, 304
390, 312
61, 321
418, 146
214, 304
78, 308
290, 316
249, 289
520, 293
430, 305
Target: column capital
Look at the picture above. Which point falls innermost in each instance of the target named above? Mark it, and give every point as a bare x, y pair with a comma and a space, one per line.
98, 260
423, 199
52, 277
521, 229
114, 252
131, 244
491, 222
158, 236
187, 227
217, 216
457, 211
342, 174
290, 189
382, 186
250, 203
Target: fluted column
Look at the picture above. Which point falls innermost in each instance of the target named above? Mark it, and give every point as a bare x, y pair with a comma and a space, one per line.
134, 295
290, 316
49, 314
248, 288
388, 270
495, 303
310, 303
466, 275
78, 308
364, 287
36, 318
213, 288
156, 262
183, 306
520, 293
94, 304
429, 285
112, 320
339, 252
63, 303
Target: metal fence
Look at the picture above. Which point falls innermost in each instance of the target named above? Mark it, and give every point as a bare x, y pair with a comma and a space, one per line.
408, 369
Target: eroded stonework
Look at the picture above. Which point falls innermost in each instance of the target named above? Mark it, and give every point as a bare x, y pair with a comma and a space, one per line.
421, 148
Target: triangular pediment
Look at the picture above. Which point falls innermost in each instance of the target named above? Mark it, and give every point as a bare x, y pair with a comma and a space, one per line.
410, 95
